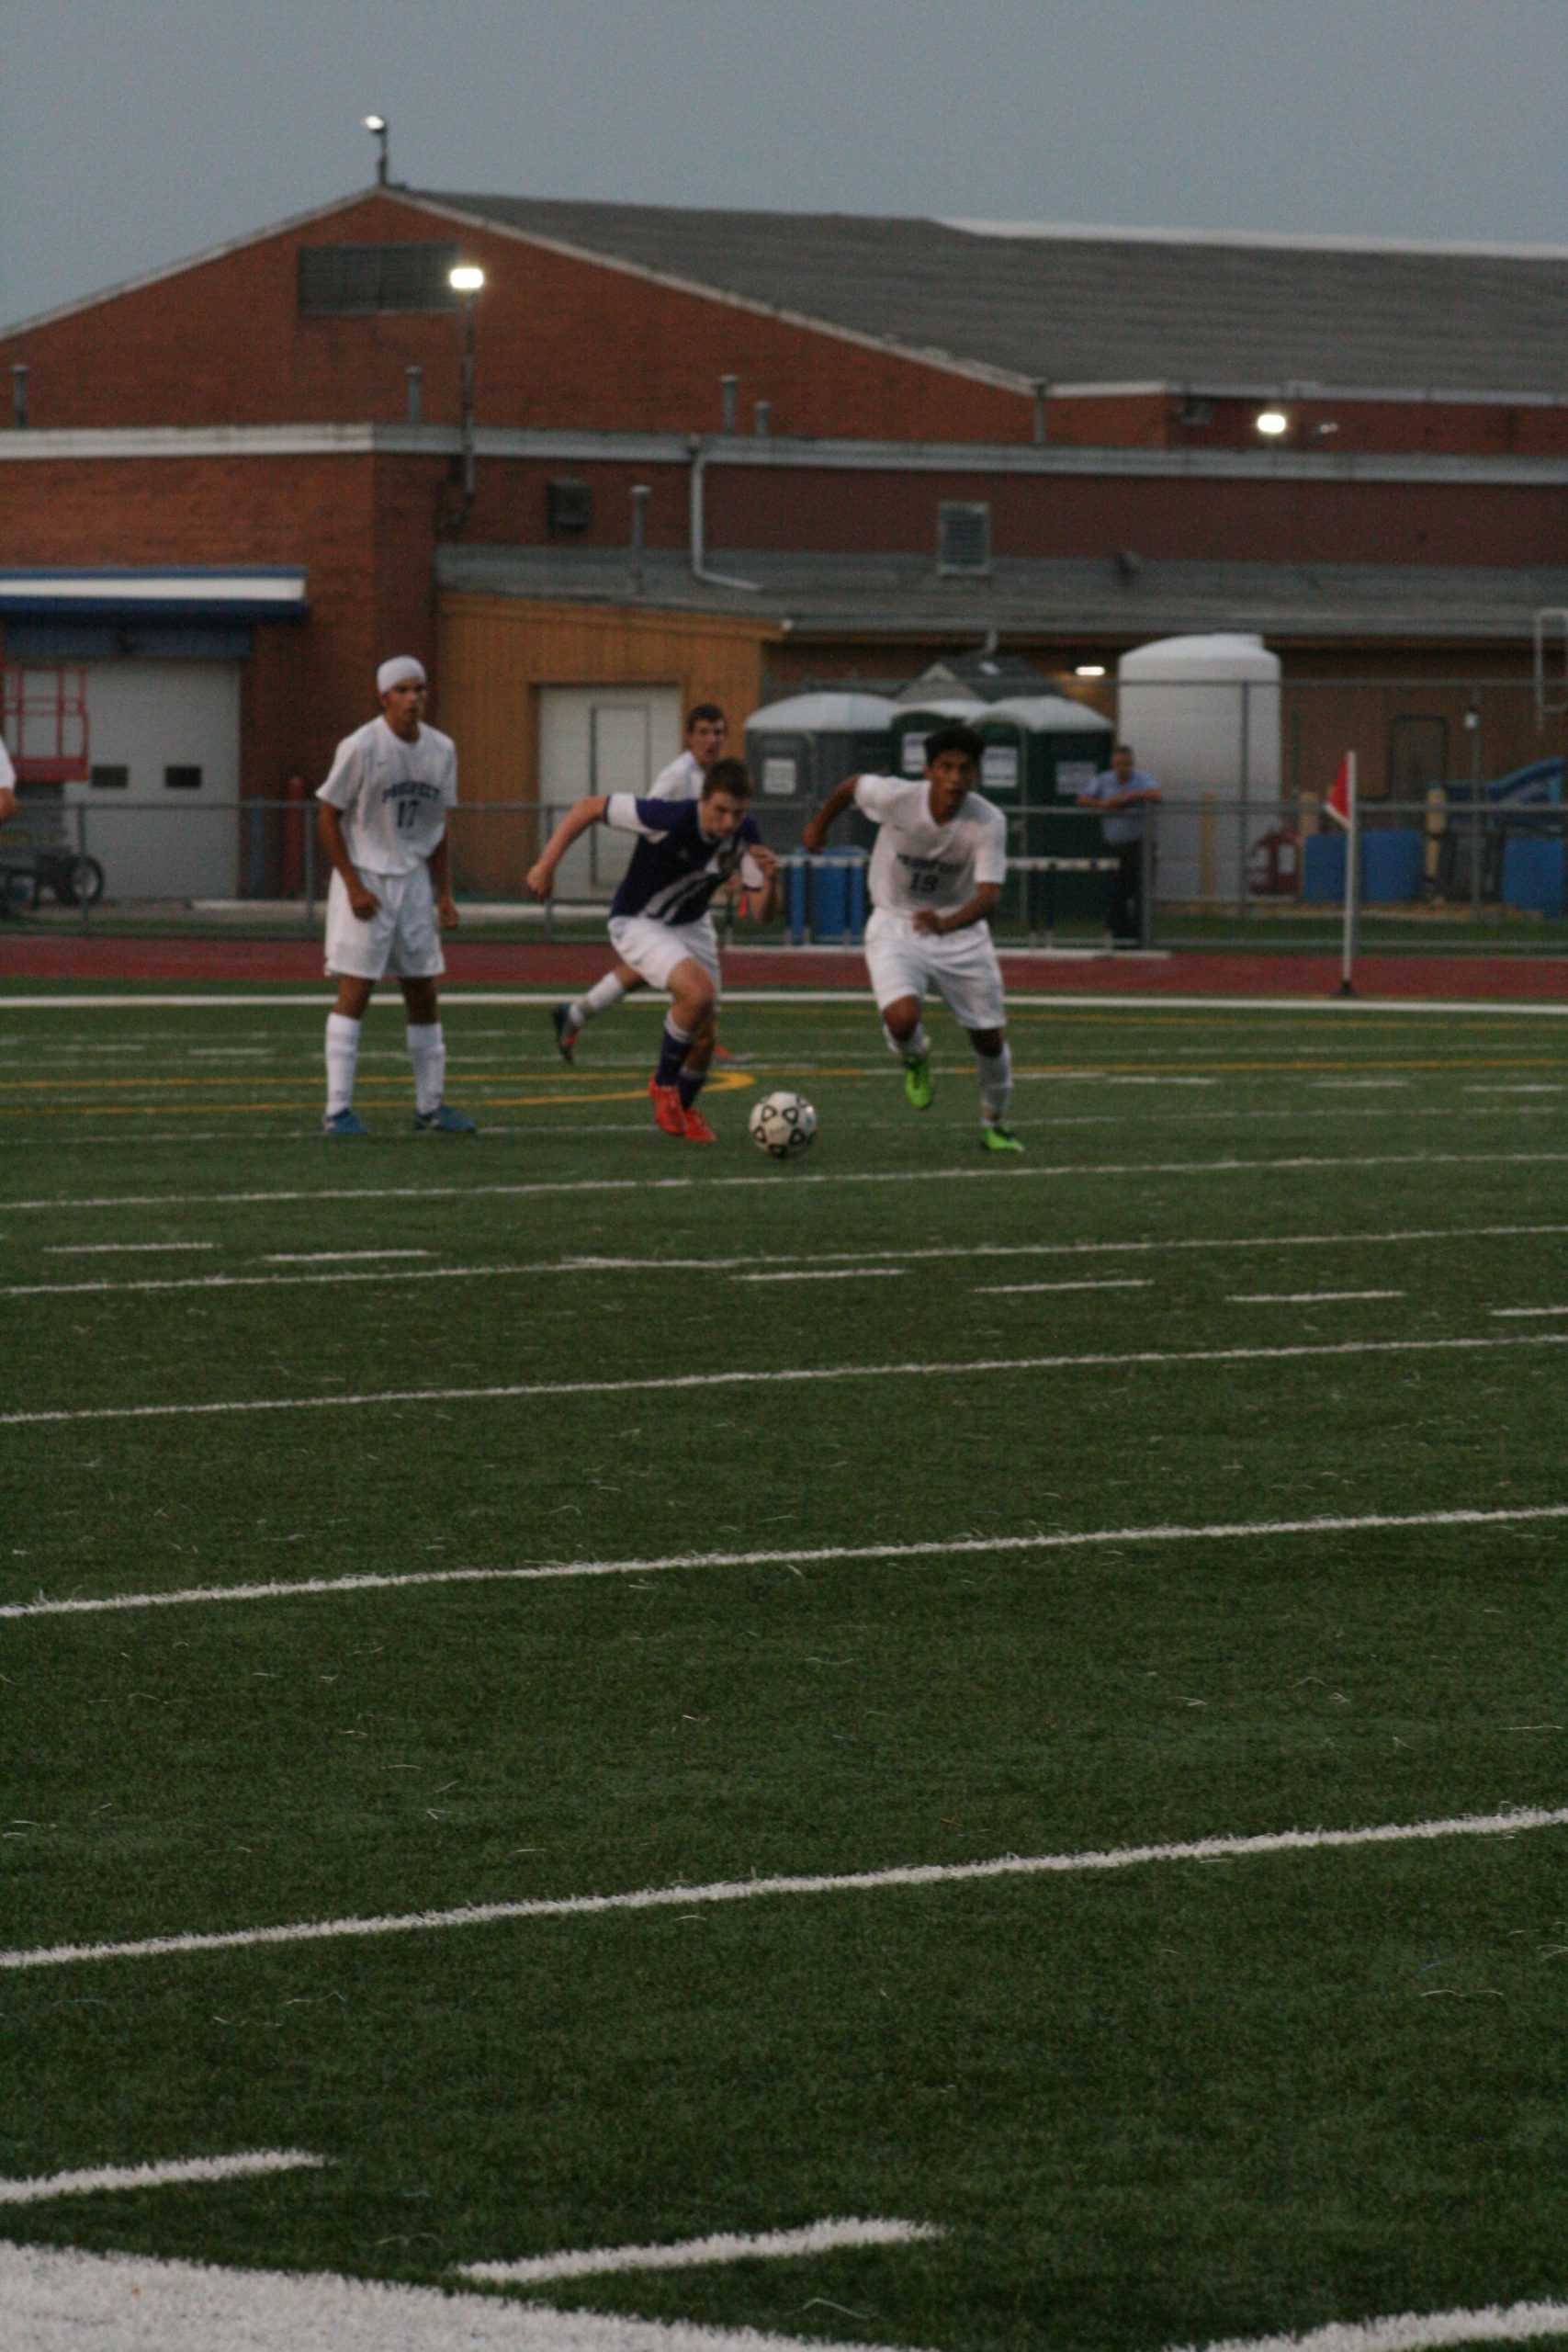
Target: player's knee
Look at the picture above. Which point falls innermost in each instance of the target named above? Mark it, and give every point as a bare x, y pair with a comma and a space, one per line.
987, 1041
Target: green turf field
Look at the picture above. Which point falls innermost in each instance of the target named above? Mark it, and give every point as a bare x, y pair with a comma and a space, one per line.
885, 1569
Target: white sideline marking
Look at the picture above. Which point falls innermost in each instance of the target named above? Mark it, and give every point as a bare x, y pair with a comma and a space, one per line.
157, 2176
1020, 1290
57, 2301
1302, 1297
1290, 1164
725, 2245
118, 1249
1245, 1531
796, 1376
855, 999
1411, 2331
914, 1874
1529, 1310
826, 1275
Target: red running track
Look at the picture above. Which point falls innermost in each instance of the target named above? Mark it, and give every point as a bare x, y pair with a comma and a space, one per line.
544, 964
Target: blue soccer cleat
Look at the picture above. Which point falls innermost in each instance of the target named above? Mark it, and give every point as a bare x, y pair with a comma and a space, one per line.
443, 1121
344, 1123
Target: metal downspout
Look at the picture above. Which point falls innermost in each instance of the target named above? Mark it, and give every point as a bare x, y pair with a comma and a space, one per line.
699, 450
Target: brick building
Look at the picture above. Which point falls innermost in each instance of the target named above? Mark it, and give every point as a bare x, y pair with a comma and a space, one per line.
730, 453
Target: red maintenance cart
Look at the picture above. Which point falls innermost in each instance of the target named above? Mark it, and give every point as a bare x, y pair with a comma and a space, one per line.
43, 719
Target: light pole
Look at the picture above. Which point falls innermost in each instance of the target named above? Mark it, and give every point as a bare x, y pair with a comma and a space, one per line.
466, 280
380, 130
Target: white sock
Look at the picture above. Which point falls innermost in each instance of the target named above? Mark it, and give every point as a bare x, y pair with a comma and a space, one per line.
427, 1051
908, 1049
598, 999
342, 1055
995, 1085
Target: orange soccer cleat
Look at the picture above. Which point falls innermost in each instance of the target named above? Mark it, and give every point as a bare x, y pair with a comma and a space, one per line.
667, 1110
695, 1128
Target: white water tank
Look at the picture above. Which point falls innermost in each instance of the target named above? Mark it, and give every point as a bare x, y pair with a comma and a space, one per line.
1202, 716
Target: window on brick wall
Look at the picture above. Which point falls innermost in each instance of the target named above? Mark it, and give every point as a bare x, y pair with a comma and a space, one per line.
963, 535
181, 779
335, 280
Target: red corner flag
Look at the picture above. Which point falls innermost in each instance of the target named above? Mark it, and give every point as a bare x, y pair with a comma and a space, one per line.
1338, 801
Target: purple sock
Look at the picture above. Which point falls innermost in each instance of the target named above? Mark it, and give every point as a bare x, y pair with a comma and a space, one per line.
672, 1049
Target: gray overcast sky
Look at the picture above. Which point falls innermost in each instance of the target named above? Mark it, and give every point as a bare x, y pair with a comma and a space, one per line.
135, 132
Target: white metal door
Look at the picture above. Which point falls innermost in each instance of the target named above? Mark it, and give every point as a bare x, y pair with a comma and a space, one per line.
162, 813
601, 739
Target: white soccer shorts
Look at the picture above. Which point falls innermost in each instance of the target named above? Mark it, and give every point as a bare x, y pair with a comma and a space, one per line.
961, 965
401, 937
653, 949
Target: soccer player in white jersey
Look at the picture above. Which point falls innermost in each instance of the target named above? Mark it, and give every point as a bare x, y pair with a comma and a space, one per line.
660, 923
382, 820
707, 730
936, 876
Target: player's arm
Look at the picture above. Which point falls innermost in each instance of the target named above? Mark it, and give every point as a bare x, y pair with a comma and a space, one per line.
814, 832
761, 901
440, 865
541, 876
7, 804
978, 909
330, 832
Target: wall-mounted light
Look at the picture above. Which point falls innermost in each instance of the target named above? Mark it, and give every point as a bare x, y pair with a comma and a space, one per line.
1272, 423
466, 278
1089, 670
380, 130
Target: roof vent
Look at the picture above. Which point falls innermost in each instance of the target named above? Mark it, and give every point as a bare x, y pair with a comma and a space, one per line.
964, 537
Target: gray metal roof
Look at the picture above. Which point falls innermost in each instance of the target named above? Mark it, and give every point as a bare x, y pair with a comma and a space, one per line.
1084, 307
1088, 601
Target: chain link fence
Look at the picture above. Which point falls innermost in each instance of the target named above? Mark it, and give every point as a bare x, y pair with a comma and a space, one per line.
1463, 806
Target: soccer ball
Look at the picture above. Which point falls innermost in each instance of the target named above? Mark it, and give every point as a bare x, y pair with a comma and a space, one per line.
783, 1126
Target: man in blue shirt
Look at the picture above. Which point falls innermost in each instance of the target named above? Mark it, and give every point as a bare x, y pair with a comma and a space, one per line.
1120, 793
687, 851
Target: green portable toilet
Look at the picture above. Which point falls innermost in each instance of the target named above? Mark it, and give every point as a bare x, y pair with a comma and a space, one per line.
912, 722
797, 750
1041, 751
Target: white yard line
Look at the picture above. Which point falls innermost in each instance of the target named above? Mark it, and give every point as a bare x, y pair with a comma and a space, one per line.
172, 2174
1411, 2331
1150, 1358
1290, 1164
334, 1257
1302, 1297
686, 2254
1515, 1311
1509, 1824
589, 1264
1028, 1290
826, 1275
1250, 1530
57, 2300
265, 1281
119, 1249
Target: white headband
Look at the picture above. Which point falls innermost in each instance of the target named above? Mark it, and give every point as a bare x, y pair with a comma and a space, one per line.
394, 673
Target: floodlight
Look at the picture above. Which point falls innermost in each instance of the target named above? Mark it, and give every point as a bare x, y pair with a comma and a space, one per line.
380, 129
465, 278
1271, 422
1089, 670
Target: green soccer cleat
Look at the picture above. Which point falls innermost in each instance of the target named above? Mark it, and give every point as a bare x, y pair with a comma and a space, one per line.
918, 1085
996, 1137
